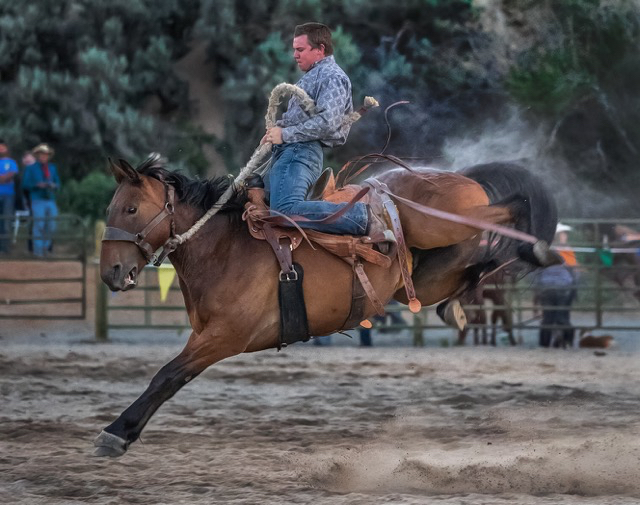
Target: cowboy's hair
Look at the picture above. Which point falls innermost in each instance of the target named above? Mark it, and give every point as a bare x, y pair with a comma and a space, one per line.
317, 34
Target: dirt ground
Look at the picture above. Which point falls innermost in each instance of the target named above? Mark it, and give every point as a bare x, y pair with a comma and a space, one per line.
334, 425
325, 425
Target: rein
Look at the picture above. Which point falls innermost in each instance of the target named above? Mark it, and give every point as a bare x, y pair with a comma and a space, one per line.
118, 234
455, 218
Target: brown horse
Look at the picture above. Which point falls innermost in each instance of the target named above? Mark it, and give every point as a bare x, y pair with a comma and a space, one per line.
625, 267
477, 314
229, 280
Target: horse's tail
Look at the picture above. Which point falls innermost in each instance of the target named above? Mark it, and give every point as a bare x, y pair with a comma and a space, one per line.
510, 184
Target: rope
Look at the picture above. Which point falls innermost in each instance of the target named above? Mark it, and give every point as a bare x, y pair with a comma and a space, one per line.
263, 150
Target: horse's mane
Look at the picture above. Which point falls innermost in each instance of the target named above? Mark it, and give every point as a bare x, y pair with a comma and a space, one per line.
199, 193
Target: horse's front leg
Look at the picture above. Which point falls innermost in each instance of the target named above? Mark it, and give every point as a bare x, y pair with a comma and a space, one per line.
198, 354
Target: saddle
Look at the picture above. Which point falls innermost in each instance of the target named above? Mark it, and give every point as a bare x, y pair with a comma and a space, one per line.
284, 236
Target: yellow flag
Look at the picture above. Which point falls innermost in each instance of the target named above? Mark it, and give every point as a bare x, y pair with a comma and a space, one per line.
166, 273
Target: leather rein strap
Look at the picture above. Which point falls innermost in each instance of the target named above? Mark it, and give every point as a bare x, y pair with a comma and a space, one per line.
139, 239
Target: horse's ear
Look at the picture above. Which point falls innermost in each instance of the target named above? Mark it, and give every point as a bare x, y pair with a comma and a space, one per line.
117, 171
132, 173
123, 170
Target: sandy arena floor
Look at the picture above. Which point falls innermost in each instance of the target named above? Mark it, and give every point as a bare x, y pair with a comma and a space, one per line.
338, 425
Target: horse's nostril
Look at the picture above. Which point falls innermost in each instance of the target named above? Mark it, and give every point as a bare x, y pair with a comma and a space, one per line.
116, 271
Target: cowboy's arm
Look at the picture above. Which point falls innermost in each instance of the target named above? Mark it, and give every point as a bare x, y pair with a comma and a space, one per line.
331, 104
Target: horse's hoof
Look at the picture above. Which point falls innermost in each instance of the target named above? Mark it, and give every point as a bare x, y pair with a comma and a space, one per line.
540, 254
452, 313
109, 445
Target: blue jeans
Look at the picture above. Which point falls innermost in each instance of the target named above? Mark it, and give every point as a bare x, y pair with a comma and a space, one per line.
6, 218
44, 213
294, 168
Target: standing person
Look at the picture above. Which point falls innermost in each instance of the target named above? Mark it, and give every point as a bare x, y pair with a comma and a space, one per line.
8, 172
27, 159
299, 138
41, 181
556, 289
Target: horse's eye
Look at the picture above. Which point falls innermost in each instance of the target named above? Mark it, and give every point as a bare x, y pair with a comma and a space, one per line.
131, 210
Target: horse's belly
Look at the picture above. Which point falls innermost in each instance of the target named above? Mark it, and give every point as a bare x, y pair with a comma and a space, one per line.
328, 286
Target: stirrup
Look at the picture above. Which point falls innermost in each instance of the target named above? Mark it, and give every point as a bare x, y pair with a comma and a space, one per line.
452, 313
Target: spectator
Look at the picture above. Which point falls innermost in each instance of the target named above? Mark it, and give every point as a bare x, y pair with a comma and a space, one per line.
27, 159
555, 293
8, 172
41, 181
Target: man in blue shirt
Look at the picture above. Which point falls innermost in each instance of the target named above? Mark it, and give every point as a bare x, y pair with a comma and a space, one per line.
8, 171
298, 138
41, 181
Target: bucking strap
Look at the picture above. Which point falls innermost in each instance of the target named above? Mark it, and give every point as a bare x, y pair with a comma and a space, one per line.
294, 326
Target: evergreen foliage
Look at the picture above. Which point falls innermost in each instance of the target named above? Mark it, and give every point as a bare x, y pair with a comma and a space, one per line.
418, 51
80, 75
582, 78
98, 78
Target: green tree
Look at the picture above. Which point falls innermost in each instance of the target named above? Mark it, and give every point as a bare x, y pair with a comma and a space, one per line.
580, 76
83, 75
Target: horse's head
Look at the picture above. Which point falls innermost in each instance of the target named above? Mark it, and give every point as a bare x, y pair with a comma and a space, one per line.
139, 221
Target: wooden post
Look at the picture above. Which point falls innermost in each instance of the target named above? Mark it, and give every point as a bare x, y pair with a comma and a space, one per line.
418, 321
101, 320
101, 316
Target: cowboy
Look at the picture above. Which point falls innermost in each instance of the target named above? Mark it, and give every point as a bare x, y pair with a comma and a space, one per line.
299, 138
41, 181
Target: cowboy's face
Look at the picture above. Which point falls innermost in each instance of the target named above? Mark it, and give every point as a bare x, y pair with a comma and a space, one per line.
4, 150
304, 54
43, 157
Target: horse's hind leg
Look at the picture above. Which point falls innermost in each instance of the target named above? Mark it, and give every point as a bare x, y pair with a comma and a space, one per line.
198, 354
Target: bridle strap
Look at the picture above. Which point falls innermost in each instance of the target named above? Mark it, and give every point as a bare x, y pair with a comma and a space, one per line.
118, 234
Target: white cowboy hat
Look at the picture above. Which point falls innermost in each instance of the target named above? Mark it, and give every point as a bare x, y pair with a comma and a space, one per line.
43, 148
563, 227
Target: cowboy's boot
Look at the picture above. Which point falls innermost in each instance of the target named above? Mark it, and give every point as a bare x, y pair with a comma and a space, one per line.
378, 227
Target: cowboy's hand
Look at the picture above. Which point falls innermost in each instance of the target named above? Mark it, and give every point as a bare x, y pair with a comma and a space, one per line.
274, 135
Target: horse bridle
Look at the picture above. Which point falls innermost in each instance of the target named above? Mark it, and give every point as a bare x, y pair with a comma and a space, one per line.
118, 234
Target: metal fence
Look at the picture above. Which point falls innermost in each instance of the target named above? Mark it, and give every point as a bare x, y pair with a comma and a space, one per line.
608, 297
27, 281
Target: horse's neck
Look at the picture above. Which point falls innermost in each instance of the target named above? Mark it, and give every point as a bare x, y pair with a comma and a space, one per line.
211, 241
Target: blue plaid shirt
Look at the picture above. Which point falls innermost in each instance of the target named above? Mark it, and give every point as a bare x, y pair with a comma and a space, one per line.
330, 89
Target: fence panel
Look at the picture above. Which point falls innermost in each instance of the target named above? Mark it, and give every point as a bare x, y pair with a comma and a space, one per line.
608, 297
28, 281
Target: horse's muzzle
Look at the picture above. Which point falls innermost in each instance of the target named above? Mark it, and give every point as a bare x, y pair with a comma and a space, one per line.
119, 279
